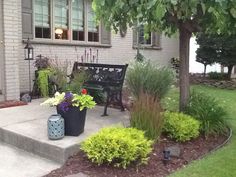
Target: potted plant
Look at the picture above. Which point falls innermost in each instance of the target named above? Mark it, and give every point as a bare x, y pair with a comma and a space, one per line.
72, 107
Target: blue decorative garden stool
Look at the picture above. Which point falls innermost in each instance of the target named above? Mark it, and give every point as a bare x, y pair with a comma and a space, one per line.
56, 127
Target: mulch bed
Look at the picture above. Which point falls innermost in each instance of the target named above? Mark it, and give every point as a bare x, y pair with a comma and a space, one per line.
11, 103
190, 151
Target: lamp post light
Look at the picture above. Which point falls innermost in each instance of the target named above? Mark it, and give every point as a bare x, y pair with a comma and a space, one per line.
29, 55
166, 156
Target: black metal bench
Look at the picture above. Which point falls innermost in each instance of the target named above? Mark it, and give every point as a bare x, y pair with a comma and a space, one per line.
105, 77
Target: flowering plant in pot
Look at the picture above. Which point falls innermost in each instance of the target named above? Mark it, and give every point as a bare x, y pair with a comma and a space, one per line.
72, 107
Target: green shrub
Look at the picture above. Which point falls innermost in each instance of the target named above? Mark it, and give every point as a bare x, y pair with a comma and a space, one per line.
148, 78
42, 81
208, 111
117, 146
98, 95
146, 115
217, 76
77, 81
181, 127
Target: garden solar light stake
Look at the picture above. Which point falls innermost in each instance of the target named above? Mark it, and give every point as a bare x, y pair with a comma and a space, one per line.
166, 158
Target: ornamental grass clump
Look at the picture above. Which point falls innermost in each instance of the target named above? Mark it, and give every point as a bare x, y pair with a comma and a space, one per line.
148, 78
117, 146
209, 112
146, 115
180, 127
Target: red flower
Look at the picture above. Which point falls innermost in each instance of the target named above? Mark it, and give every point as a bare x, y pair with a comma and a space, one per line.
84, 92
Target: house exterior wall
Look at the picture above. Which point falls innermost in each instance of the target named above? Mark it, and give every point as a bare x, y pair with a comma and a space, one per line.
11, 42
1, 54
16, 68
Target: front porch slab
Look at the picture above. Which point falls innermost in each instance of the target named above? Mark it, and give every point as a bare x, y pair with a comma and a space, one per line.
26, 128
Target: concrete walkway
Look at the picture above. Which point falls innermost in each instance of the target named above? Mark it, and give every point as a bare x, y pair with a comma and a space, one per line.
17, 163
25, 127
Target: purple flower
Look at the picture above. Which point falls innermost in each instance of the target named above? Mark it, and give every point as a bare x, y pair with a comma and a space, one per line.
64, 106
68, 96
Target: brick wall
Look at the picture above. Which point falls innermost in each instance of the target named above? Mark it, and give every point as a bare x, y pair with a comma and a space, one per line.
121, 52
17, 68
11, 27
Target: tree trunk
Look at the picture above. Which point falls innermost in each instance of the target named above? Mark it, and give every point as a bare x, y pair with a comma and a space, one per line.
230, 69
184, 40
204, 74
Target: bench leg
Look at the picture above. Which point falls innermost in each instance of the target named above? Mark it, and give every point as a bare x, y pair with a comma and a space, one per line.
120, 100
106, 105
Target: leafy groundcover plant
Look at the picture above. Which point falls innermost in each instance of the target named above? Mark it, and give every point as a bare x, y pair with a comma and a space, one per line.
117, 146
181, 127
42, 81
65, 100
208, 111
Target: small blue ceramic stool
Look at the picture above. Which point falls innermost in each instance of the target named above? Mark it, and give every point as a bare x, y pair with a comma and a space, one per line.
56, 127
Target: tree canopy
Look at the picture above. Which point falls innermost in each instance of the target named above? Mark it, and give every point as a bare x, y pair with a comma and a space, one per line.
170, 16
206, 53
217, 48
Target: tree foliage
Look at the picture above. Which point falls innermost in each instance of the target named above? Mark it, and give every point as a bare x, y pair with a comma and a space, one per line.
171, 16
168, 15
217, 48
205, 53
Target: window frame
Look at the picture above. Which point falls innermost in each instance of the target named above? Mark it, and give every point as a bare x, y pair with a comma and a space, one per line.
70, 30
50, 22
138, 37
155, 40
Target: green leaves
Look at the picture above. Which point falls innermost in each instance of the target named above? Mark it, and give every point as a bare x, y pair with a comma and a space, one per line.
233, 12
216, 17
83, 101
181, 127
117, 146
209, 112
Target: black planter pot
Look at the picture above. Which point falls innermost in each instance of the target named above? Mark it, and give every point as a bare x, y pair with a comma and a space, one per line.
74, 120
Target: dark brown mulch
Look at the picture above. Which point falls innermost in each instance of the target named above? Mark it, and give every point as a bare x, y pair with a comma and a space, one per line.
190, 151
11, 103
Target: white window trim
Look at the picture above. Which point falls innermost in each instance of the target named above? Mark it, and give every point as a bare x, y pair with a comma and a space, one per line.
70, 40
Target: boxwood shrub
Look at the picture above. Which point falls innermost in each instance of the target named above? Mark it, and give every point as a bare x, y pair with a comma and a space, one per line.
180, 127
117, 146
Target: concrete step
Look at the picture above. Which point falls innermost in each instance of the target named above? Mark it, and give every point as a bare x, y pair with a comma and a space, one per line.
26, 128
50, 150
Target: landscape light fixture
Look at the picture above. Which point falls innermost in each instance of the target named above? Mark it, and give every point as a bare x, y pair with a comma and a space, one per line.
166, 158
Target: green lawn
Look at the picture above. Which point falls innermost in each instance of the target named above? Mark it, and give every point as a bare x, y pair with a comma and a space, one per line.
221, 163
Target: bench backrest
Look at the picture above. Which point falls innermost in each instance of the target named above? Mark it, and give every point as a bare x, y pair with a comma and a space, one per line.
103, 74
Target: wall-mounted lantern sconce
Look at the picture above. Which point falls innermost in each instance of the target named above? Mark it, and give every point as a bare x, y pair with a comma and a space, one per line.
29, 55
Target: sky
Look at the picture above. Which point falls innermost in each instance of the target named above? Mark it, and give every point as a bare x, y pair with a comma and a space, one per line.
196, 67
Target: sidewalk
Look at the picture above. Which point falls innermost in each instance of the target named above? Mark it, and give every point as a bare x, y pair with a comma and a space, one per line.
17, 163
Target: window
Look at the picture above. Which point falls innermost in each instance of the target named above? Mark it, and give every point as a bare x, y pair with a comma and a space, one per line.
93, 29
151, 40
61, 19
72, 20
42, 19
144, 39
78, 20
